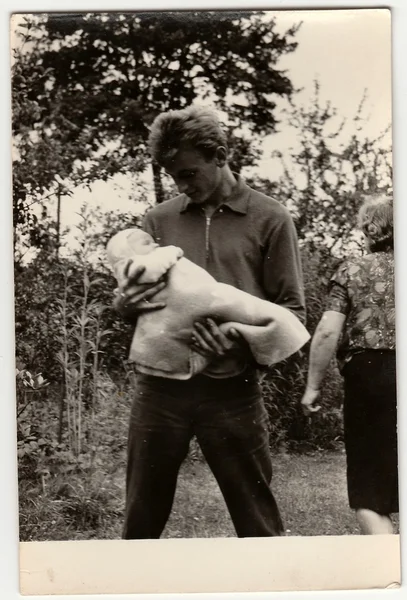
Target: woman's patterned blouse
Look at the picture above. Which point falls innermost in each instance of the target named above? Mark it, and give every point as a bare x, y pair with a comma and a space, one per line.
363, 290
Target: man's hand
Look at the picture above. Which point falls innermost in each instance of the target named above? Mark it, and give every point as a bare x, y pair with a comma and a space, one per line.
208, 340
308, 400
133, 298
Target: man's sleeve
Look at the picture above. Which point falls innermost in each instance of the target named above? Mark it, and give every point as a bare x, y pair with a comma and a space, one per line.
282, 276
148, 225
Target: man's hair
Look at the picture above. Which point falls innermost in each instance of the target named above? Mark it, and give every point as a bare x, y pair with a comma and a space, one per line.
195, 126
376, 221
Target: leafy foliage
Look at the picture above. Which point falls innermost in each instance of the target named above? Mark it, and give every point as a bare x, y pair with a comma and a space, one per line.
86, 87
326, 176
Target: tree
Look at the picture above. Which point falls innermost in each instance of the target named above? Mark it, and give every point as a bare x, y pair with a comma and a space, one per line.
86, 87
330, 170
48, 161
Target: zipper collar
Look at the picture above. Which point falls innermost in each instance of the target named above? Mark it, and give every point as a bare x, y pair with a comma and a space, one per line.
238, 202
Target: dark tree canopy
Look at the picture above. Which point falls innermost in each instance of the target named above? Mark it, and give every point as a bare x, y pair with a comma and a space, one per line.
137, 65
89, 85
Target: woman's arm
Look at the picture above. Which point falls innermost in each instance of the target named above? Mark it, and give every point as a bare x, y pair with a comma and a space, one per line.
323, 347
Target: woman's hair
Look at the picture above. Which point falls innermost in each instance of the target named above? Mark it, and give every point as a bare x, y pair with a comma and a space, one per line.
376, 222
196, 126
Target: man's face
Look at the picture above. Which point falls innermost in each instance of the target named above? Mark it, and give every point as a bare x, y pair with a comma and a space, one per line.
194, 174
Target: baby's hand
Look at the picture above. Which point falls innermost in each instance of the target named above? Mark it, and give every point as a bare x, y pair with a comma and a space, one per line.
180, 253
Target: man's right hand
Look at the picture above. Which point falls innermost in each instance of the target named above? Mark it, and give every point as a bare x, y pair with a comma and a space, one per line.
133, 299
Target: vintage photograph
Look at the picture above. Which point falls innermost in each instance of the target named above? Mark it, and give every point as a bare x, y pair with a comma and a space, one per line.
204, 274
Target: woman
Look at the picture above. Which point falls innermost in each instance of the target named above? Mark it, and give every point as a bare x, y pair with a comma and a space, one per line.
361, 307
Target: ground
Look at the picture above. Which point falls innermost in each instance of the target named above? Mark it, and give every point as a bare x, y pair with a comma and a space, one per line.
310, 490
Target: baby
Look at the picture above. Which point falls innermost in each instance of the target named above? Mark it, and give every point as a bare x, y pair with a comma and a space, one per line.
132, 244
162, 340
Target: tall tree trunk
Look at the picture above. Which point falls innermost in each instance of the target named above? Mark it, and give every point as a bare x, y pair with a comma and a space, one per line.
158, 184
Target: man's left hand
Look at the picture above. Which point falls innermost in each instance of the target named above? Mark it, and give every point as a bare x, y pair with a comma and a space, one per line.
210, 341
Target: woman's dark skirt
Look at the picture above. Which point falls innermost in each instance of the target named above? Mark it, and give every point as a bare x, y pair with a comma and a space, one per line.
370, 425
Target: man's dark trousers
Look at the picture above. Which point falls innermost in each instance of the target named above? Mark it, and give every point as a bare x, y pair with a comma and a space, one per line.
229, 420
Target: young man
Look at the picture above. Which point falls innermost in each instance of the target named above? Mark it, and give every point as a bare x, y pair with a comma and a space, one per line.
242, 238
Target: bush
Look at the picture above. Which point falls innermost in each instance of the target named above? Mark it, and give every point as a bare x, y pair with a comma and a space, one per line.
39, 289
61, 490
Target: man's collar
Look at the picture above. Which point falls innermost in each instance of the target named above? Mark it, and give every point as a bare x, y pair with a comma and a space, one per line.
237, 202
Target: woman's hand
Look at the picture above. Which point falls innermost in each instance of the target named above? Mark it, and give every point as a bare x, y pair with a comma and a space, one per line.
211, 342
308, 400
133, 298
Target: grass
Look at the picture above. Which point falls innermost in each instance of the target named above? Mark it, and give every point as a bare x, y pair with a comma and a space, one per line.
310, 490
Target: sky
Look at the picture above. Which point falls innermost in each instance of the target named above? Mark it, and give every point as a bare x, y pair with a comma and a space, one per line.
348, 51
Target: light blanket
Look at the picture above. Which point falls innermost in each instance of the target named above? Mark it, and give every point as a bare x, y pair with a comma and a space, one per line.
162, 338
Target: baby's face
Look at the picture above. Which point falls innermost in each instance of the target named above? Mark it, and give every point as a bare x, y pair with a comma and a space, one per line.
145, 244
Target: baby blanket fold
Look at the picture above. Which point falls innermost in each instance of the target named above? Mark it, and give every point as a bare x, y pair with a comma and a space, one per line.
161, 344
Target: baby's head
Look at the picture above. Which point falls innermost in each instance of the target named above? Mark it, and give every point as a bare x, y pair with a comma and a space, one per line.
128, 243
141, 242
